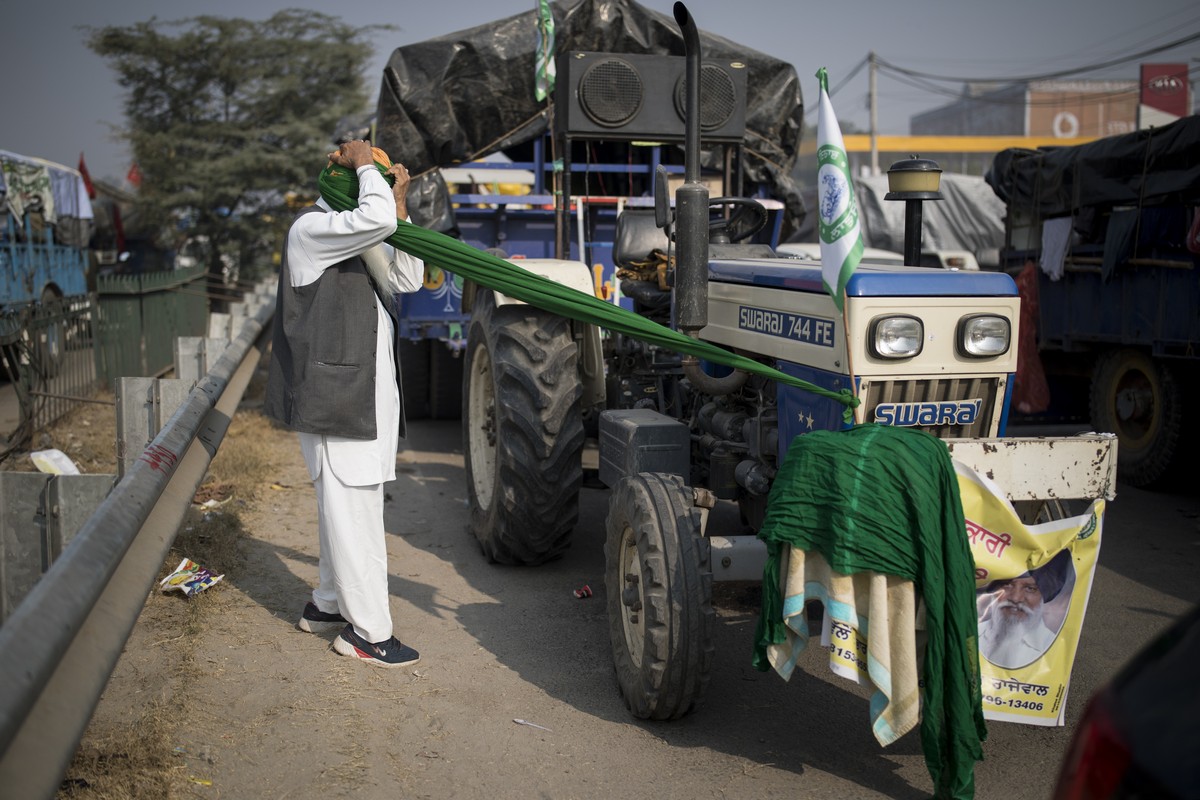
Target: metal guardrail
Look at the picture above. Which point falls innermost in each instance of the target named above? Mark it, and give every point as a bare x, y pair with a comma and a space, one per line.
61, 644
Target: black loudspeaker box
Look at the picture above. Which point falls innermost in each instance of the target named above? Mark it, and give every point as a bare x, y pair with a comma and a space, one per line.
631, 96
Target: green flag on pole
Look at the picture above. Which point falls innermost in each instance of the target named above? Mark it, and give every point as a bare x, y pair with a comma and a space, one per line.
544, 79
837, 210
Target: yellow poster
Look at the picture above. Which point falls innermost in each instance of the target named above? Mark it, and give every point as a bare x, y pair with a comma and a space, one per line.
1032, 583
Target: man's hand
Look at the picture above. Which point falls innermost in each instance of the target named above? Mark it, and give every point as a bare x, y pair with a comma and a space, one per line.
400, 189
353, 154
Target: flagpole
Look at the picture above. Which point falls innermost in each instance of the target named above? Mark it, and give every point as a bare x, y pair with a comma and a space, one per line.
839, 226
849, 355
544, 80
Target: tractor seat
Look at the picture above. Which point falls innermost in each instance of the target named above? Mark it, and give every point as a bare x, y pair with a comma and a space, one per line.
636, 237
642, 273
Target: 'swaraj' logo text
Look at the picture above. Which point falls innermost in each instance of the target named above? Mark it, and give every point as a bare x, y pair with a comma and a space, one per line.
961, 412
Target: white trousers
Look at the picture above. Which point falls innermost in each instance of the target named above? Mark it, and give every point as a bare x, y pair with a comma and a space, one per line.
353, 560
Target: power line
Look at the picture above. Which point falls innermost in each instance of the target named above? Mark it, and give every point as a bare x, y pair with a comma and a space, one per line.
857, 69
1087, 97
912, 73
924, 81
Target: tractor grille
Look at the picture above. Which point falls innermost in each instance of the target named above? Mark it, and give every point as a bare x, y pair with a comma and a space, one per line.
943, 390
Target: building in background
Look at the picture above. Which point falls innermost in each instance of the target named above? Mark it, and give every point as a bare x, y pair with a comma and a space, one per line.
1060, 109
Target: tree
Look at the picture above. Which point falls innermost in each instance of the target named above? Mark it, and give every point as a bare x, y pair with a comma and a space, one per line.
226, 118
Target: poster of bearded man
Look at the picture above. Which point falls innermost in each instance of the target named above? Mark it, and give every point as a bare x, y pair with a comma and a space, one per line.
1020, 618
1032, 583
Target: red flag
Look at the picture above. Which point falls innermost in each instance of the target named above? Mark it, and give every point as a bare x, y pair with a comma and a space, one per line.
87, 179
134, 176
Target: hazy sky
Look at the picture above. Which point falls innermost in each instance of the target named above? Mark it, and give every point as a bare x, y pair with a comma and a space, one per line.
60, 99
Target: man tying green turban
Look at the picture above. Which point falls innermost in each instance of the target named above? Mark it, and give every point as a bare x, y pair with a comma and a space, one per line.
334, 378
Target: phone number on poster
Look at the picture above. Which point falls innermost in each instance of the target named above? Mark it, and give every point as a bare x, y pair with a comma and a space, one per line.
1027, 705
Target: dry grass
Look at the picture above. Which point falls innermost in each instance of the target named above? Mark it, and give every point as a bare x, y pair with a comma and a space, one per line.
87, 435
246, 459
133, 762
135, 758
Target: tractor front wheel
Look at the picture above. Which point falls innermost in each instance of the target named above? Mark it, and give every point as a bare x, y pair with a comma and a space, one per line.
659, 586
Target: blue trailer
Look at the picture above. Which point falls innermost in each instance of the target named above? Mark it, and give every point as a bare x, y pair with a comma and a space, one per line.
506, 207
1112, 228
45, 228
45, 225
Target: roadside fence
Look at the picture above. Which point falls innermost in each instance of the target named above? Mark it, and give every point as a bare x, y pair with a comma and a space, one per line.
100, 543
56, 353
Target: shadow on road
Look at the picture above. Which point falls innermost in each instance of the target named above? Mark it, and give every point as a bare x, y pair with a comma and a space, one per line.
536, 627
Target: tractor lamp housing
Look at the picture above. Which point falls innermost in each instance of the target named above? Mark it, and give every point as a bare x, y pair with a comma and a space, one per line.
984, 336
898, 336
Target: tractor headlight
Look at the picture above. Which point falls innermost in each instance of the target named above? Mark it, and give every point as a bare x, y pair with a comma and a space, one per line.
984, 336
896, 337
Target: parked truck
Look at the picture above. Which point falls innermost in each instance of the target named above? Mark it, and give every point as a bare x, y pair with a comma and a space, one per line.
45, 227
47, 219
1112, 229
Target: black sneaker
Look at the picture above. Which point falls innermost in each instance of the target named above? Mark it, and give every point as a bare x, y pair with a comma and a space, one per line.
314, 620
389, 653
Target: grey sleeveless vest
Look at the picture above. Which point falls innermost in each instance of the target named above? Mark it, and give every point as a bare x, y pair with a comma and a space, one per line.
321, 378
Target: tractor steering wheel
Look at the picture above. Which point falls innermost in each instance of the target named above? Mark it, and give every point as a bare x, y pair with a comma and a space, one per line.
748, 219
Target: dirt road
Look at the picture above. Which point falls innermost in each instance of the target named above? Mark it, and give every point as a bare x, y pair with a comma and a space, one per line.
273, 713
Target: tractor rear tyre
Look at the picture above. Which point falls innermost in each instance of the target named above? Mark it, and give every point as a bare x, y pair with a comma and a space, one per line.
522, 431
658, 580
1138, 399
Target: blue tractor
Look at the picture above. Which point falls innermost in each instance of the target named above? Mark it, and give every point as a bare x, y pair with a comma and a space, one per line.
677, 437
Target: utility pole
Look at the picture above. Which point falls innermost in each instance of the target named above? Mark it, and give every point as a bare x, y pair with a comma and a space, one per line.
874, 118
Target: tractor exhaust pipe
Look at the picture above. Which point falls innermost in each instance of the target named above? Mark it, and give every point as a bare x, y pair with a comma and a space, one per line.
691, 232
691, 199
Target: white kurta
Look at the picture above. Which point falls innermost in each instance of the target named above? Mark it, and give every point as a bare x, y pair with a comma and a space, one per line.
349, 473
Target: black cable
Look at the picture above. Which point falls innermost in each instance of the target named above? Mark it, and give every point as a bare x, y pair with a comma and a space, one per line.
1088, 97
854, 71
887, 65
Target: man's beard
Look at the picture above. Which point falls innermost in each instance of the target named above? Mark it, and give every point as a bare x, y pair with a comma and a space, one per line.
1014, 627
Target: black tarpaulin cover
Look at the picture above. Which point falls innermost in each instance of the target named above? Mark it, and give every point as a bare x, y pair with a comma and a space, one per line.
1158, 166
968, 217
462, 96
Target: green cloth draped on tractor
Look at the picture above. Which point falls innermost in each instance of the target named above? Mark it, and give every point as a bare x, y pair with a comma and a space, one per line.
339, 188
886, 500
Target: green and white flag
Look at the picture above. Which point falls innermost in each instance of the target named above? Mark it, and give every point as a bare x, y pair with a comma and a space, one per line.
545, 69
837, 210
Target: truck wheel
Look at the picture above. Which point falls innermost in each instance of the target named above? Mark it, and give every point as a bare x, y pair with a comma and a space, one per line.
522, 431
414, 375
445, 382
659, 586
1138, 399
